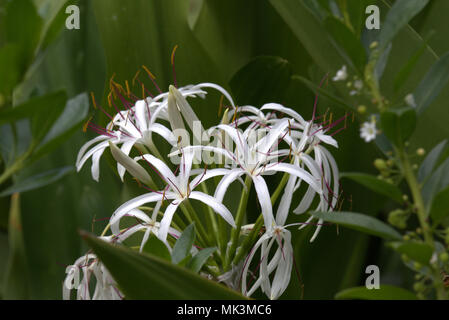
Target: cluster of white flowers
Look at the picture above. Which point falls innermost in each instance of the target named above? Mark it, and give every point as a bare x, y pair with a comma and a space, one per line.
263, 141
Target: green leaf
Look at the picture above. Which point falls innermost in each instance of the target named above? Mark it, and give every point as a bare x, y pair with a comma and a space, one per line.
198, 260
432, 84
360, 222
439, 209
264, 79
154, 246
9, 69
408, 67
50, 110
430, 161
438, 181
333, 98
184, 244
55, 18
398, 124
23, 26
16, 285
375, 184
309, 31
141, 276
32, 107
417, 251
347, 40
37, 181
398, 17
69, 121
385, 292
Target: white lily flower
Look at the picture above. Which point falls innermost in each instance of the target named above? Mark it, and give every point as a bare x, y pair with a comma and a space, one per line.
136, 126
178, 190
253, 160
80, 274
281, 261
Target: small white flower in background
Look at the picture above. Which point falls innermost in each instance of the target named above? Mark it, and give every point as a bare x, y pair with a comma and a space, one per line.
341, 74
368, 130
410, 100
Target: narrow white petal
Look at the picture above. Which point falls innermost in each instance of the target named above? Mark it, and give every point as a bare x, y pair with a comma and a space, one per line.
166, 220
287, 111
218, 207
86, 146
225, 182
137, 202
264, 199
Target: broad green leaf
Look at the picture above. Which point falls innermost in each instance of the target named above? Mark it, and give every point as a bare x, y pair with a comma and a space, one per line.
154, 246
23, 26
398, 124
9, 69
360, 222
438, 181
142, 276
439, 209
430, 161
33, 107
37, 181
42, 121
385, 292
375, 184
16, 285
69, 121
408, 67
308, 29
432, 84
264, 79
347, 40
54, 13
398, 17
333, 98
199, 259
184, 244
228, 38
417, 251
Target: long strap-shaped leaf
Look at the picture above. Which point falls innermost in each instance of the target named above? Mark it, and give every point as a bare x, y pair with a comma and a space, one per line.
142, 276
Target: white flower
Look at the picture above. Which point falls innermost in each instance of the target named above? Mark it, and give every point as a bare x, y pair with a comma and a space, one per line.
341, 74
178, 189
410, 100
135, 125
79, 276
281, 261
368, 131
253, 160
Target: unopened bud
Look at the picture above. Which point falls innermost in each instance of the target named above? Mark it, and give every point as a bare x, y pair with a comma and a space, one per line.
420, 152
380, 164
361, 109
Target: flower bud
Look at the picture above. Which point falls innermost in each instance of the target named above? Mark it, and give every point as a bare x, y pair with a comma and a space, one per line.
361, 109
398, 218
380, 164
420, 152
444, 257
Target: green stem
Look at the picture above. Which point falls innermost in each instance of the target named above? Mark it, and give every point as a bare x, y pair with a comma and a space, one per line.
422, 216
251, 238
235, 233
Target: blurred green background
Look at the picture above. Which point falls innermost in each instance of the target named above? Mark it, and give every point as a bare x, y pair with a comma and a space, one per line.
257, 49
